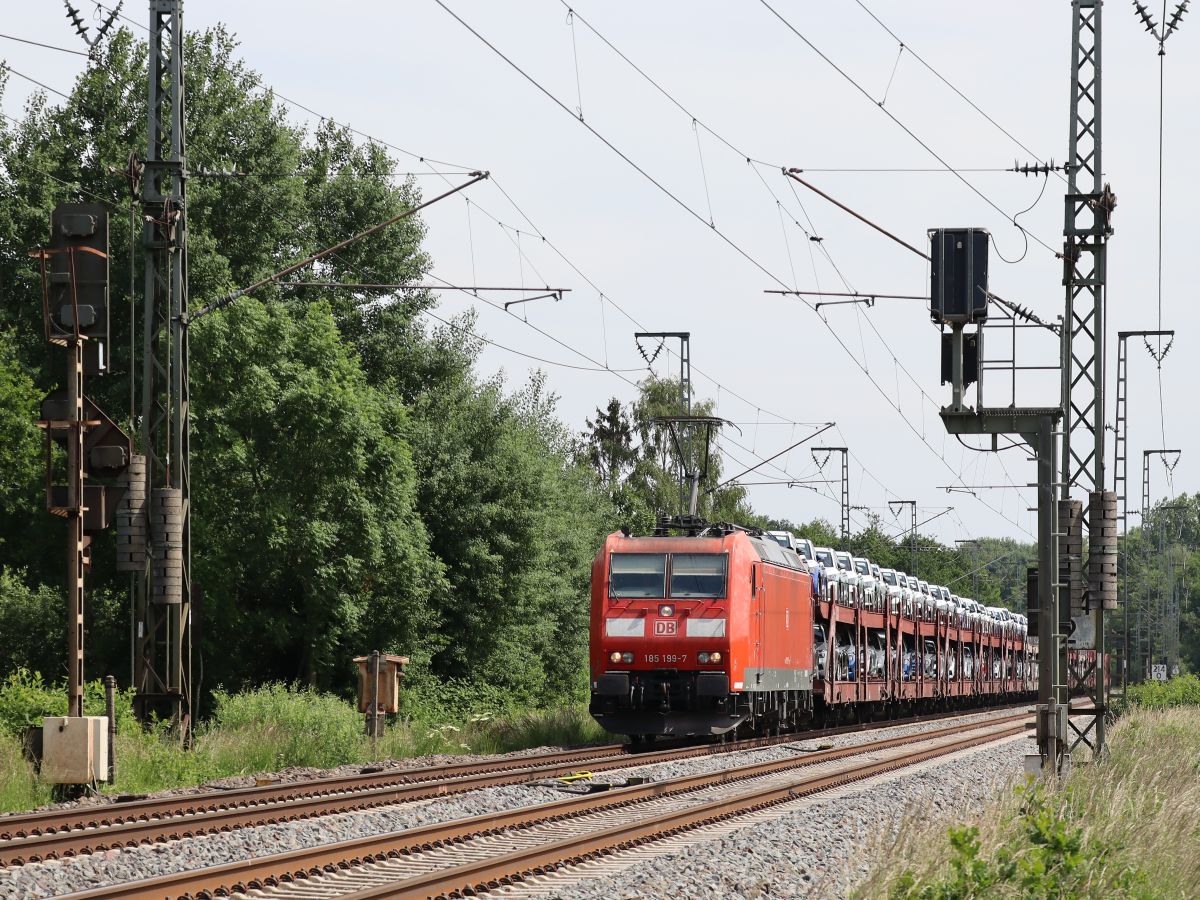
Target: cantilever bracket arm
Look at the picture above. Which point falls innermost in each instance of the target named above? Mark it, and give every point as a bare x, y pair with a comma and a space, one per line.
557, 295
328, 251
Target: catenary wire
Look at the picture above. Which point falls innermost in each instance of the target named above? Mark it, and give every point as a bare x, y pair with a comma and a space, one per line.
908, 48
13, 37
975, 190
696, 215
426, 160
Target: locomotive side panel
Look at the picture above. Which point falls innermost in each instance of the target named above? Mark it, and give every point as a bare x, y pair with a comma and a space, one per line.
780, 657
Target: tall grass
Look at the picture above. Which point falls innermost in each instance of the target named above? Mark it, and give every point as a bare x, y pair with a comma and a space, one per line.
19, 788
1126, 827
265, 730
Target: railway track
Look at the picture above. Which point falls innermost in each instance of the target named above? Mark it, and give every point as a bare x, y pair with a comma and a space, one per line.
58, 833
470, 855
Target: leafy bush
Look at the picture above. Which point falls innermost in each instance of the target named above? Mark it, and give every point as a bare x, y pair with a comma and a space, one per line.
1124, 826
430, 700
1181, 691
31, 616
26, 698
1052, 858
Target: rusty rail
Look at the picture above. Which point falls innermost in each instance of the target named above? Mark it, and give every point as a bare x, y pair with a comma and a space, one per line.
311, 862
53, 834
479, 876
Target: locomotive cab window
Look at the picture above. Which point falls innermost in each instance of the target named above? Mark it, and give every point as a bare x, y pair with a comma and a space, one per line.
698, 575
638, 575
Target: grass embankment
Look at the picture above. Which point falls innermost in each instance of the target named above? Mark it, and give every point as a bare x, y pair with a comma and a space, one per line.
1129, 827
265, 730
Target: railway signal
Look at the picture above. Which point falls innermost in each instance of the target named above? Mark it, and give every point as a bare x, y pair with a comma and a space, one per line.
84, 450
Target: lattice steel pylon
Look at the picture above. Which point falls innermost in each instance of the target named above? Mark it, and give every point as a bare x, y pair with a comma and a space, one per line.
1121, 488
684, 449
1086, 228
163, 597
845, 484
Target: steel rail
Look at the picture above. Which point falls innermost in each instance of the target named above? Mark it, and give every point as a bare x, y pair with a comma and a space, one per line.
489, 873
296, 864
54, 833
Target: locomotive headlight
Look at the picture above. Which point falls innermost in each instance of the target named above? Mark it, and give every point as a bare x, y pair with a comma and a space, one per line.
627, 657
715, 656
702, 658
666, 609
615, 656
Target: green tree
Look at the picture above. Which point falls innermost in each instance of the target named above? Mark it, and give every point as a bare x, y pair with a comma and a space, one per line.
516, 524
608, 443
305, 498
308, 547
21, 461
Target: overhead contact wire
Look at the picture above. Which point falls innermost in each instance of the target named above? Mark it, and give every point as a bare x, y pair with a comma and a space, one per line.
694, 214
975, 190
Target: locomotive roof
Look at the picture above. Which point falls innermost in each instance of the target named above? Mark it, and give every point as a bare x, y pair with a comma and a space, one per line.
769, 551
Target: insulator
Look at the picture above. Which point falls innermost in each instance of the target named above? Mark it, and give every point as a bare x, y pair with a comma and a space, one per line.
1144, 15
73, 15
1176, 16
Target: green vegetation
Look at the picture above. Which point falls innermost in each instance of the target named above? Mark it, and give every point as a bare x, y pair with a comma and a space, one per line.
1124, 828
19, 787
1183, 690
264, 730
357, 485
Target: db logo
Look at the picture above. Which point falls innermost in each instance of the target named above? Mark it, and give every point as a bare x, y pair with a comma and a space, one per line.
664, 627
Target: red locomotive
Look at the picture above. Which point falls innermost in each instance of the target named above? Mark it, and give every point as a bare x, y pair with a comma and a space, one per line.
718, 628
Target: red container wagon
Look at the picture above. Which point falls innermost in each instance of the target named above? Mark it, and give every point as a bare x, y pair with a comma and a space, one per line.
696, 634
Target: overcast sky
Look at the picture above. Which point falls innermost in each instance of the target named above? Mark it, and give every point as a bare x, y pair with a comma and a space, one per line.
409, 74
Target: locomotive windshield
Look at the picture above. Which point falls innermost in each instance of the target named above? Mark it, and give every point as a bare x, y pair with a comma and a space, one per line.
638, 575
698, 575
